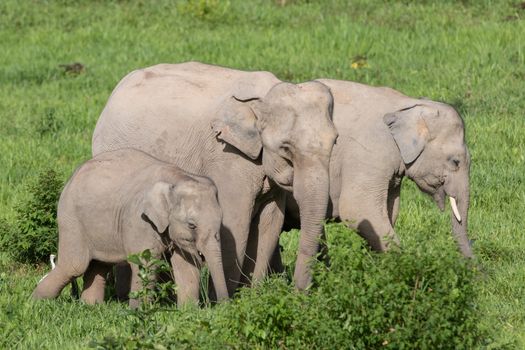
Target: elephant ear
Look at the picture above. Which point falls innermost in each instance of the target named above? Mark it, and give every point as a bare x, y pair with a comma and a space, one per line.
155, 205
236, 124
409, 130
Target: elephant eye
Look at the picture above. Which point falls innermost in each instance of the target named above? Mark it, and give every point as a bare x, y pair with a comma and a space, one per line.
454, 161
286, 151
192, 226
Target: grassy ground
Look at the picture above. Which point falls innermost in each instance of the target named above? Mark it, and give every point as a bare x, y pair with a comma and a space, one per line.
468, 53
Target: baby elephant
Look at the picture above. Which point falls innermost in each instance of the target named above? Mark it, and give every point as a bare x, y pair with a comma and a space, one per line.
124, 202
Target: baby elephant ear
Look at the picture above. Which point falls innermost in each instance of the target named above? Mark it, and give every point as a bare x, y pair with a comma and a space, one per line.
155, 206
236, 125
409, 130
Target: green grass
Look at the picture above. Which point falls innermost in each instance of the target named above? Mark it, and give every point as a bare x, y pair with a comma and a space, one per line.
469, 53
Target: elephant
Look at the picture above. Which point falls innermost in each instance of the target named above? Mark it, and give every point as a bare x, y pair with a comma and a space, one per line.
383, 137
124, 202
255, 136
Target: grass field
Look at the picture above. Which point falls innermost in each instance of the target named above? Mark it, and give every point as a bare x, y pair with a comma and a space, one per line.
469, 53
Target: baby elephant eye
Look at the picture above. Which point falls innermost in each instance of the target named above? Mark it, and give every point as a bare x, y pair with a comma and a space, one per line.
454, 161
192, 226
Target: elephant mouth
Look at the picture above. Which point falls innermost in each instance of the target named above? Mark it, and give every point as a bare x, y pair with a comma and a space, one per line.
439, 197
286, 187
198, 258
285, 181
191, 254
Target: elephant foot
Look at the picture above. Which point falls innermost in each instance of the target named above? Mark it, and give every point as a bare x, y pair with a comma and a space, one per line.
95, 283
52, 284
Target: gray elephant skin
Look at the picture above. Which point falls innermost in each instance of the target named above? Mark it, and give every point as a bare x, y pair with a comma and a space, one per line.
255, 136
125, 202
383, 137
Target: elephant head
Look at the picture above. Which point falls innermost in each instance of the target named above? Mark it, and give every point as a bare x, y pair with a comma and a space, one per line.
431, 140
190, 211
292, 127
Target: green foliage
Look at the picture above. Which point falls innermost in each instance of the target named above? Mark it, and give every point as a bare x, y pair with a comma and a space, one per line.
34, 236
151, 293
268, 316
144, 327
417, 298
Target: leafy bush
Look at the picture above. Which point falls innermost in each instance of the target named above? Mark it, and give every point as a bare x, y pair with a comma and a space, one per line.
33, 234
421, 297
417, 298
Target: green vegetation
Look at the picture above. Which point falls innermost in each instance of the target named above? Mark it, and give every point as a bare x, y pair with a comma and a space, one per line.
469, 53
34, 236
420, 298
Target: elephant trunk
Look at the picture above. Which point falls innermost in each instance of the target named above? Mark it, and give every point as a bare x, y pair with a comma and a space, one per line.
459, 194
212, 253
311, 191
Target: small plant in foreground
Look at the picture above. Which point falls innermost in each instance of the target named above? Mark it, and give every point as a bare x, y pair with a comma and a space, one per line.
152, 293
144, 325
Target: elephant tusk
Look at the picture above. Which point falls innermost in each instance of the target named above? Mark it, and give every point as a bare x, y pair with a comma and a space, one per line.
455, 208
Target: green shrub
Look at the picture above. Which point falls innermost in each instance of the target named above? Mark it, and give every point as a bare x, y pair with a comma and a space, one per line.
33, 234
421, 297
267, 316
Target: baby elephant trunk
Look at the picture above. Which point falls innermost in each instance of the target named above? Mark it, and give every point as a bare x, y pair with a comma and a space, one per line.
457, 188
213, 255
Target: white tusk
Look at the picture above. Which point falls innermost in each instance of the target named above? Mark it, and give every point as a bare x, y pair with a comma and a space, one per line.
455, 208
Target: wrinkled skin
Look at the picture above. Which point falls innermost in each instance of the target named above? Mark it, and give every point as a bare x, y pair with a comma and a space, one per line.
124, 202
253, 135
383, 137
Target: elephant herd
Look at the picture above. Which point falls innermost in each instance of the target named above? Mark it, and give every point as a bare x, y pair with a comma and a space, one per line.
201, 161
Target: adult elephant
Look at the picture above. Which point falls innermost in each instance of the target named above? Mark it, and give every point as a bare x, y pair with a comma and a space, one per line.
253, 135
383, 137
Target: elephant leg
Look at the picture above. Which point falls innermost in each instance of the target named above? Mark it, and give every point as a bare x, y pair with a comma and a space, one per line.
73, 261
122, 280
364, 212
71, 264
52, 284
187, 277
135, 286
276, 263
95, 282
267, 229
